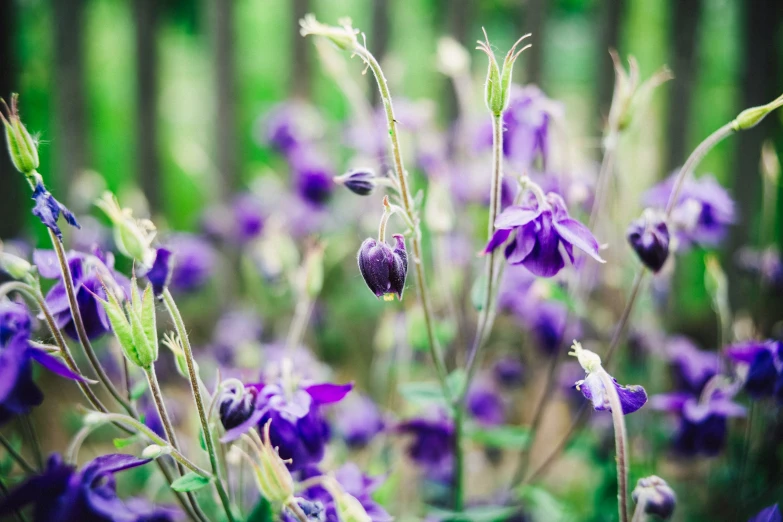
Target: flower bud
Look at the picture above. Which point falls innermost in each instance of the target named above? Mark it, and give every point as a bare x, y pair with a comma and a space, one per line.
133, 237
173, 343
153, 451
273, 479
343, 36
382, 268
22, 148
348, 507
237, 404
630, 94
654, 496
136, 333
649, 237
358, 181
497, 87
15, 266
749, 118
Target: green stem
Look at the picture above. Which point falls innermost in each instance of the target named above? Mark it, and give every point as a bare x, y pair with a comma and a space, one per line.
26, 466
620, 441
35, 442
602, 183
410, 212
179, 324
299, 322
17, 514
81, 331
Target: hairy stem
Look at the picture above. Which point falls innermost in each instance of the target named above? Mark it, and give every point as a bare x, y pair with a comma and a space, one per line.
179, 324
620, 442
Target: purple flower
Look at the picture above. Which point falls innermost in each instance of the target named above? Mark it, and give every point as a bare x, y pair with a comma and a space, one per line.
536, 230
357, 420
770, 514
18, 392
238, 408
88, 272
509, 371
234, 331
703, 420
762, 365
764, 263
485, 404
313, 177
649, 237
159, 275
193, 260
359, 181
382, 268
298, 428
593, 386
654, 497
290, 125
432, 445
48, 210
703, 211
693, 367
62, 494
240, 223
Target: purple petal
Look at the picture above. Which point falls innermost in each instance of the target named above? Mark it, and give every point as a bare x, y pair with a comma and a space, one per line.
672, 402
523, 244
12, 359
545, 259
746, 352
47, 263
770, 514
53, 364
572, 231
116, 462
237, 431
632, 397
498, 238
727, 408
327, 393
57, 299
516, 217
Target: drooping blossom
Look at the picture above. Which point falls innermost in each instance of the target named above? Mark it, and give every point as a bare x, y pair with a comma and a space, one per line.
90, 272
534, 232
654, 497
692, 367
361, 182
760, 364
703, 211
238, 409
48, 210
649, 237
63, 494
384, 268
358, 420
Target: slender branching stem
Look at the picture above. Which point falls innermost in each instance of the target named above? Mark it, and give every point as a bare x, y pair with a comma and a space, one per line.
179, 324
620, 442
26, 466
81, 331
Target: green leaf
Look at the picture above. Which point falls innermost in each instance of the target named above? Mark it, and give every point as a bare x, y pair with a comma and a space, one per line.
507, 437
189, 482
262, 512
476, 514
422, 393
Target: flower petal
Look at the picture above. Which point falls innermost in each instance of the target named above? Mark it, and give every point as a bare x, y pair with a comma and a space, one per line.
46, 261
572, 231
523, 244
545, 260
498, 238
516, 216
53, 364
328, 393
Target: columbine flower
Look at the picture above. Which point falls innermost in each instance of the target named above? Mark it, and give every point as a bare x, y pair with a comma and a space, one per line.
63, 494
649, 237
358, 181
299, 429
290, 125
485, 404
509, 371
159, 275
654, 497
703, 418
48, 210
693, 367
703, 210
313, 177
536, 230
432, 445
88, 271
382, 268
238, 409
593, 388
761, 366
357, 420
770, 514
18, 392
193, 262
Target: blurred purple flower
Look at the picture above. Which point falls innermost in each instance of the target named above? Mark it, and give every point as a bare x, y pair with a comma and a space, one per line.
358, 420
509, 371
312, 176
193, 260
703, 211
764, 263
763, 365
62, 494
289, 125
770, 514
485, 404
234, 331
48, 210
88, 272
432, 445
537, 229
693, 367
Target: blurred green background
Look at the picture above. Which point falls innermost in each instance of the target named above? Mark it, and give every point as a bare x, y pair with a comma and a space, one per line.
164, 95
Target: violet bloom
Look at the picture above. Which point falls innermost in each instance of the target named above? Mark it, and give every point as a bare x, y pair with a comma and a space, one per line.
703, 211
649, 237
770, 514
62, 494
159, 275
289, 125
298, 428
484, 403
89, 273
432, 445
536, 229
382, 268
193, 260
361, 182
761, 364
48, 210
312, 176
18, 392
693, 367
358, 420
238, 409
766, 264
509, 371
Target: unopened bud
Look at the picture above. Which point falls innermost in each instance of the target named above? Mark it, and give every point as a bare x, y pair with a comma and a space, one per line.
497, 88
273, 479
654, 496
343, 36
22, 148
15, 266
137, 332
153, 451
358, 181
649, 237
133, 237
348, 507
749, 118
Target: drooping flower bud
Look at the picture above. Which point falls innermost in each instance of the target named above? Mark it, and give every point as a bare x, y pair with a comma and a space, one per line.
383, 268
343, 36
15, 266
649, 237
749, 118
22, 148
137, 332
132, 236
654, 496
174, 343
48, 210
238, 409
358, 181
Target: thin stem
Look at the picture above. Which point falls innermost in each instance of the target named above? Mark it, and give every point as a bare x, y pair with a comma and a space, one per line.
17, 513
32, 434
26, 466
168, 428
638, 512
621, 443
34, 295
602, 184
126, 378
179, 324
80, 330
579, 420
296, 331
621, 324
459, 457
410, 212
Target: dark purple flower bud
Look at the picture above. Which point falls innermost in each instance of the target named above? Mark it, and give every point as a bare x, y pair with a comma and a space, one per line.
63, 494
238, 410
509, 372
536, 230
382, 268
159, 275
48, 210
314, 182
770, 514
654, 497
649, 237
432, 445
359, 181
